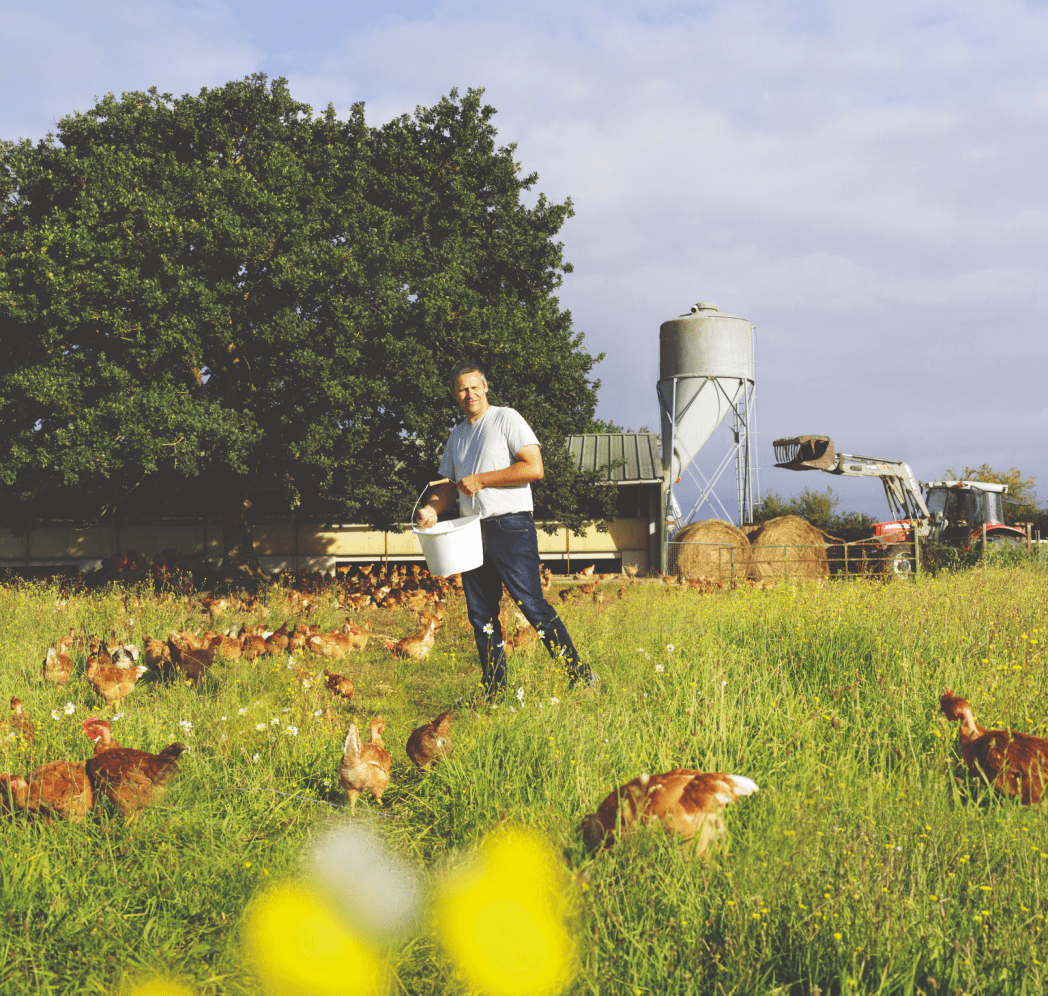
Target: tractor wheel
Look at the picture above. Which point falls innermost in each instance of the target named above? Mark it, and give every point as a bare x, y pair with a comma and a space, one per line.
898, 562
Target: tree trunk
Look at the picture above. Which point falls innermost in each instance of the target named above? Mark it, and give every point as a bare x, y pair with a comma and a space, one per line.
240, 566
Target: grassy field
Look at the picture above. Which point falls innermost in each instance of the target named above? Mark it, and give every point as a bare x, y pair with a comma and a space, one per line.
858, 868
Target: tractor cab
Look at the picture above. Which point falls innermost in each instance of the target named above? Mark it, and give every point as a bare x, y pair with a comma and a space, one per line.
960, 509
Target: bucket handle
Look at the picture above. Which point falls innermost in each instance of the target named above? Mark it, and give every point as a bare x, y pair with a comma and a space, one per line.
433, 484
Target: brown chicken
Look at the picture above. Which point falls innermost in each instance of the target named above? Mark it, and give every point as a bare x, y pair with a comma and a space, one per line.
276, 643
416, 647
157, 655
431, 742
110, 682
58, 664
685, 801
252, 645
131, 779
297, 638
19, 724
227, 647
523, 637
57, 789
1014, 764
339, 685
358, 635
193, 663
365, 768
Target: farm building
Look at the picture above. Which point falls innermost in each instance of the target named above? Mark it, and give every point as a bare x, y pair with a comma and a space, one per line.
634, 538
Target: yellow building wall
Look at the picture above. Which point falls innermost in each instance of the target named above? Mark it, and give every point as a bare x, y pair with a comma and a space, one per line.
68, 544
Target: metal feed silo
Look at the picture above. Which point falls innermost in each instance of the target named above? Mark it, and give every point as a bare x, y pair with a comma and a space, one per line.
706, 377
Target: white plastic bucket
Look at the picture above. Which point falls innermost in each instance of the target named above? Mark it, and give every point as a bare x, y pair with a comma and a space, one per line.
452, 547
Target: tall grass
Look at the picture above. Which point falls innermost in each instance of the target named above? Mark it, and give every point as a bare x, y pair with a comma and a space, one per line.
860, 867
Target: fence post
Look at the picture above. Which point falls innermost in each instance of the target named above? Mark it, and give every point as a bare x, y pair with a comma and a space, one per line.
916, 551
845, 558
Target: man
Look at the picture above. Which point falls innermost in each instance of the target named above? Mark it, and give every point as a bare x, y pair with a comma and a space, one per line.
494, 456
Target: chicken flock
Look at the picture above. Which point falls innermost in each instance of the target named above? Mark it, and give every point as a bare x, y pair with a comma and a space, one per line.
685, 802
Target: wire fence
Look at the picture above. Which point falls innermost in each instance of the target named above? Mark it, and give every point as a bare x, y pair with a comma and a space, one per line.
726, 562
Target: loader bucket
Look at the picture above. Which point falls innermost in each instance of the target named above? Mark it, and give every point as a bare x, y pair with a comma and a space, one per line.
805, 453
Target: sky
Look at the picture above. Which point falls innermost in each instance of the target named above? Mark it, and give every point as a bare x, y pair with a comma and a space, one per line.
862, 182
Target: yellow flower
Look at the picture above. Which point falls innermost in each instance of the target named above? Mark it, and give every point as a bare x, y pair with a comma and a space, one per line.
297, 945
502, 918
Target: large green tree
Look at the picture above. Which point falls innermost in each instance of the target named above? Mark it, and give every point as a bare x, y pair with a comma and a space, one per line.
224, 305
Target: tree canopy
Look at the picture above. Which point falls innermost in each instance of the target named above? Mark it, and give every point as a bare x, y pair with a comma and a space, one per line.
223, 305
820, 509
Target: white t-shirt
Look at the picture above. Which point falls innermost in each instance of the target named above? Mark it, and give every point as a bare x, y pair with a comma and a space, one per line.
490, 443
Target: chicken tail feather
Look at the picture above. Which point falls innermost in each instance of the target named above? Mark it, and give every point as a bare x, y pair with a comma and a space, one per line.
743, 785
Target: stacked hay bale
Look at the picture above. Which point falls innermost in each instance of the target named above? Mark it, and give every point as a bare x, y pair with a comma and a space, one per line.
788, 547
713, 550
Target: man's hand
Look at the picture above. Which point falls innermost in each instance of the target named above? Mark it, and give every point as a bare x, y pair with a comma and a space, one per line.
427, 518
470, 485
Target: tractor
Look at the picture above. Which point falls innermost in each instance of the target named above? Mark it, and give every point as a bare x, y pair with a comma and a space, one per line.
963, 514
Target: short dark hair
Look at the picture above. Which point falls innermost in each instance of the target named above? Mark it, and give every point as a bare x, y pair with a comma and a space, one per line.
468, 367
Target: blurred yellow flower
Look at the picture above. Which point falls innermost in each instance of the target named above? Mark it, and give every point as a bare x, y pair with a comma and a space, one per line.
502, 918
299, 947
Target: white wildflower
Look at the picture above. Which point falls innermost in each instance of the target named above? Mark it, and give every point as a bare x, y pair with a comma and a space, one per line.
275, 721
659, 667
489, 628
186, 725
520, 694
326, 783
318, 712
541, 634
292, 731
224, 718
287, 710
554, 701
56, 715
307, 684
69, 709
119, 715
255, 759
240, 712
260, 727
512, 708
290, 662
669, 648
12, 735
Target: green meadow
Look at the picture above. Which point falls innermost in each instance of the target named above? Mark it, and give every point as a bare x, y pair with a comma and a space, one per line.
862, 865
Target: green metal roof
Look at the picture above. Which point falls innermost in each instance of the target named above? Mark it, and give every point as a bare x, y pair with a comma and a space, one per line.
640, 450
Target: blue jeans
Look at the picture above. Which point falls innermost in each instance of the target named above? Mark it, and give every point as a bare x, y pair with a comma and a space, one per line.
511, 557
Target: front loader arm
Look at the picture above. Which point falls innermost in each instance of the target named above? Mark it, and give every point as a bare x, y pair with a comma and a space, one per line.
819, 453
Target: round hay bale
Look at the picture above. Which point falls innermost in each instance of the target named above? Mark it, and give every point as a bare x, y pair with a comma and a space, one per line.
789, 547
712, 549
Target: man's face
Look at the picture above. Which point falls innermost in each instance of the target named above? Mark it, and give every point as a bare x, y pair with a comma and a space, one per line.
471, 394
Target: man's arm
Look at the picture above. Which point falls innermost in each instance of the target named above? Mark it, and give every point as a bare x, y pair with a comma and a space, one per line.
440, 500
526, 468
